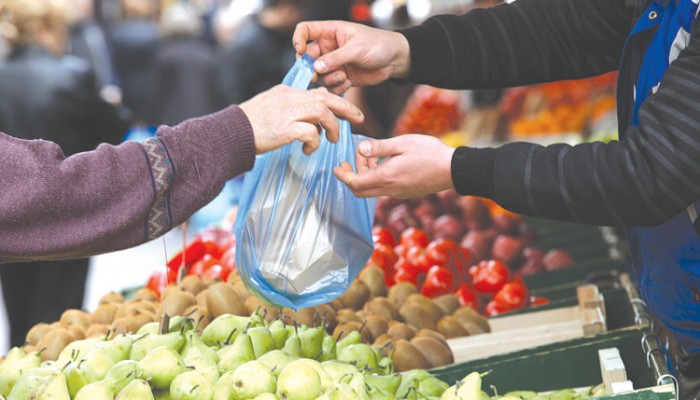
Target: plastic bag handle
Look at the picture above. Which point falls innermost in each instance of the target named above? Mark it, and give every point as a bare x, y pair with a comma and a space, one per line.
301, 73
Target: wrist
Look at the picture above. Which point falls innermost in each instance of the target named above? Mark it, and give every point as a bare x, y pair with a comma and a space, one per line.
401, 63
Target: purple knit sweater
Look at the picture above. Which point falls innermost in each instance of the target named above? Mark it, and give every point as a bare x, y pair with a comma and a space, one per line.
115, 197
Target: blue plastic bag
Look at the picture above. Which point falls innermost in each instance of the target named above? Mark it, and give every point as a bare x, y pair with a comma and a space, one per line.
301, 235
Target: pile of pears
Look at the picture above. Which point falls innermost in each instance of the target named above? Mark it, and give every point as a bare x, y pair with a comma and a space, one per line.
234, 357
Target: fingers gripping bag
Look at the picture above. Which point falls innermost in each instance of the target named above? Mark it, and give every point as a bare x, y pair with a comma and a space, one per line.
301, 235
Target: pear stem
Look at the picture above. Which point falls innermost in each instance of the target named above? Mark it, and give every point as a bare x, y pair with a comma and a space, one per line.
230, 335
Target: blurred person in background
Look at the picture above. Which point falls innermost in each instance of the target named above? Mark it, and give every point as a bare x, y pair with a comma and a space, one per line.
134, 40
259, 55
88, 41
46, 95
183, 78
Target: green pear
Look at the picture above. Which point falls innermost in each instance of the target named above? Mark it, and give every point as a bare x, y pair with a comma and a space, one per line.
361, 355
201, 363
141, 347
99, 361
312, 342
386, 366
161, 365
122, 373
194, 344
388, 383
190, 385
222, 388
326, 380
14, 354
450, 393
293, 346
237, 354
432, 387
356, 381
523, 394
100, 390
328, 348
150, 328
252, 379
224, 328
266, 396
375, 393
138, 389
337, 369
470, 387
77, 349
353, 337
33, 385
78, 374
342, 391
119, 347
279, 333
10, 371
276, 360
298, 382
411, 379
262, 339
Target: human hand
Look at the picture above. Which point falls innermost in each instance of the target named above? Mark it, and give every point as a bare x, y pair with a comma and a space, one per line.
417, 165
350, 54
282, 115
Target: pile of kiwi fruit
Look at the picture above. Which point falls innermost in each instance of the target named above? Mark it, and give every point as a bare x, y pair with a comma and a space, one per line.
409, 327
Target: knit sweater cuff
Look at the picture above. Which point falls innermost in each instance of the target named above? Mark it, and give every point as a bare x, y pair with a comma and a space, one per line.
473, 170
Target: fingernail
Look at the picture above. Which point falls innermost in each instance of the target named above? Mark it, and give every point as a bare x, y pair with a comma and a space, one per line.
321, 66
365, 148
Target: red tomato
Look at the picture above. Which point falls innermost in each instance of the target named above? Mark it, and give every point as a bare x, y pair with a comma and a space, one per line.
212, 248
494, 308
216, 271
536, 301
490, 276
383, 257
192, 252
406, 275
416, 257
513, 294
440, 252
439, 280
467, 296
199, 267
228, 259
383, 235
414, 237
157, 281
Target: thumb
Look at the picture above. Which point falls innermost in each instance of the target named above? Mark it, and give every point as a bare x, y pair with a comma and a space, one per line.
337, 59
379, 148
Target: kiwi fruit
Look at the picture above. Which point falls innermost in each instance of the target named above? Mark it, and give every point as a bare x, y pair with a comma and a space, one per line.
448, 303
473, 328
467, 315
433, 334
347, 315
52, 343
417, 315
222, 299
376, 326
97, 330
176, 303
36, 332
201, 298
400, 292
76, 317
450, 327
241, 291
192, 284
383, 307
373, 277
104, 313
407, 357
435, 352
327, 316
77, 331
337, 304
401, 331
435, 311
145, 294
111, 297
356, 296
233, 277
169, 290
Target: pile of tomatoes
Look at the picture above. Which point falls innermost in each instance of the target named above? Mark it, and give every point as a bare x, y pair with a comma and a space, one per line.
211, 255
441, 266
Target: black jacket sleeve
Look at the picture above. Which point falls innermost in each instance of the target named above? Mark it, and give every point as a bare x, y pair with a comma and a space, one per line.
525, 42
642, 180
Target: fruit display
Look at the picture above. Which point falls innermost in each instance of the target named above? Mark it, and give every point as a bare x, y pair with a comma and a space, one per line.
430, 111
234, 357
467, 246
